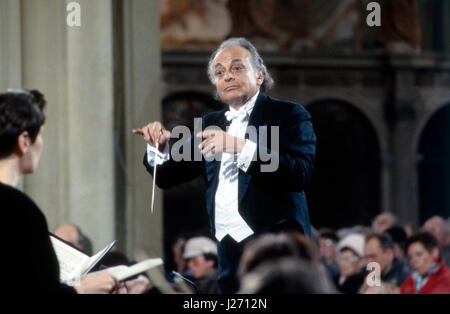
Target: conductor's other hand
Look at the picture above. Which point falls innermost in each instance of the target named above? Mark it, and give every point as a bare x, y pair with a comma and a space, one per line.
97, 283
154, 133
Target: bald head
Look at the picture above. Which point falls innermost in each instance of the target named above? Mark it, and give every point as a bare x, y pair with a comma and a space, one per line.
71, 234
382, 222
437, 226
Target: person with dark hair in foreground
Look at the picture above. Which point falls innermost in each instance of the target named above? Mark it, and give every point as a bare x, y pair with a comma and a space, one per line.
283, 263
35, 268
430, 276
269, 247
287, 276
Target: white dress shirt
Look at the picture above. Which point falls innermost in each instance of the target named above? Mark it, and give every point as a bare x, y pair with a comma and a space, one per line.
227, 217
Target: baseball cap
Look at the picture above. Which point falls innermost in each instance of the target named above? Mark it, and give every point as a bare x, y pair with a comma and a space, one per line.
199, 246
354, 242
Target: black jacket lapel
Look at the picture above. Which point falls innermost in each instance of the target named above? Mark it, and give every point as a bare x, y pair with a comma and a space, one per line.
256, 120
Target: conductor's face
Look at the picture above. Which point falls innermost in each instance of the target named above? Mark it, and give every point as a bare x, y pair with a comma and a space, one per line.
235, 78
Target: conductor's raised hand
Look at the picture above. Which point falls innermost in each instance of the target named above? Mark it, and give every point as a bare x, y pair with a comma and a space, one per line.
153, 133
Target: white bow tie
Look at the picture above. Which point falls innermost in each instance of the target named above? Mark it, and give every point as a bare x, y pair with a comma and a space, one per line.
239, 115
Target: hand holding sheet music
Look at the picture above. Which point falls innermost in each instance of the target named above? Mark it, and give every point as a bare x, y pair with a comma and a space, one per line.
73, 263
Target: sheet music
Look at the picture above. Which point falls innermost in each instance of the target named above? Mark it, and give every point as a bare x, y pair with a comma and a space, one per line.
70, 260
123, 272
73, 263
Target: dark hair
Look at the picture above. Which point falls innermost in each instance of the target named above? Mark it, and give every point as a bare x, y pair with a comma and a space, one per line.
329, 234
20, 111
424, 238
384, 240
287, 276
274, 246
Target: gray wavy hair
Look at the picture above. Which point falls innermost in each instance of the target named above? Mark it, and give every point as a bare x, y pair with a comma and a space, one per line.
257, 61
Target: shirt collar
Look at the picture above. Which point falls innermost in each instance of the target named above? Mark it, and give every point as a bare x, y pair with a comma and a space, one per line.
248, 107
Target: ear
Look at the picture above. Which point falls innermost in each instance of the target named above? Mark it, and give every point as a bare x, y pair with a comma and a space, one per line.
23, 143
435, 253
260, 78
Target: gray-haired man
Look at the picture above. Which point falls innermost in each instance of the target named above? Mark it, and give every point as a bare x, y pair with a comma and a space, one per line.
244, 195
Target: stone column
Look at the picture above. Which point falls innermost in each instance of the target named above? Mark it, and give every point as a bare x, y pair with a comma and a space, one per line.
140, 64
73, 67
10, 45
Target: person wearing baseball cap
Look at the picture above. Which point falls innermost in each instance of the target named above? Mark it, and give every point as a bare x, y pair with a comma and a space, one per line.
201, 256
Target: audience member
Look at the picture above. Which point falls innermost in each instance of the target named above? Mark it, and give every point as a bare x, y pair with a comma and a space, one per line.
379, 248
363, 230
440, 229
382, 222
288, 275
430, 276
72, 234
399, 237
351, 264
269, 247
327, 242
201, 256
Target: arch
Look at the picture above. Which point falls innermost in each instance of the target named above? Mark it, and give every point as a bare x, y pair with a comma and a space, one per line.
363, 105
435, 106
433, 167
346, 187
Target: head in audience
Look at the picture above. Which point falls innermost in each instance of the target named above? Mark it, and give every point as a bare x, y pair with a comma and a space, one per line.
399, 237
350, 253
408, 228
286, 275
271, 246
328, 241
382, 222
177, 249
21, 122
72, 234
379, 248
438, 227
363, 230
423, 252
201, 256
